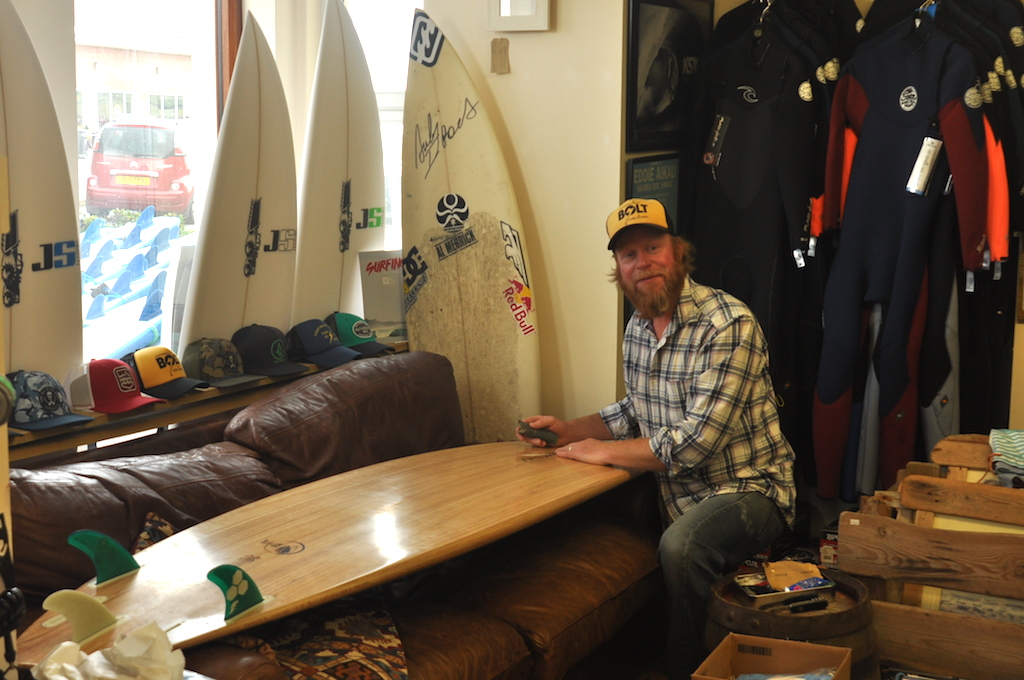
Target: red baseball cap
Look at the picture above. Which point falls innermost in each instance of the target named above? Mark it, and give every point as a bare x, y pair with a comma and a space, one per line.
106, 386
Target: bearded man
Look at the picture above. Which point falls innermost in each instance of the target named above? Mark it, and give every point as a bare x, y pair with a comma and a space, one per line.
699, 412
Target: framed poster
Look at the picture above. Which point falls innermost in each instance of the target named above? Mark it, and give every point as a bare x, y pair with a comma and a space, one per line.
666, 39
655, 177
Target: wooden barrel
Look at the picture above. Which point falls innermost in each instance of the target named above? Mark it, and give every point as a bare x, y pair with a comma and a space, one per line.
846, 622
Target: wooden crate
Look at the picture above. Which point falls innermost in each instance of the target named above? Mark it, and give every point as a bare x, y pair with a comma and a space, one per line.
934, 539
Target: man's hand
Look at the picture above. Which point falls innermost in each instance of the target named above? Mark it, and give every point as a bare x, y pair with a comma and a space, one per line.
557, 427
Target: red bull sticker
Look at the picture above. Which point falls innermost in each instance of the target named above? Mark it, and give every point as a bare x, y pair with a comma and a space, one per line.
520, 302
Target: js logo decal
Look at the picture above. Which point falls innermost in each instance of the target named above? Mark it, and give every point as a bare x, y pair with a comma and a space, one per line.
372, 218
427, 39
57, 255
283, 240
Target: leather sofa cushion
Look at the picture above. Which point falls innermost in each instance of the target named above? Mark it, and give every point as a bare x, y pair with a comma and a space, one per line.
360, 413
226, 662
441, 643
566, 593
113, 497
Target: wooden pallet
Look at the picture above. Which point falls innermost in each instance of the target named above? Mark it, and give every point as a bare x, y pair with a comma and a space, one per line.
937, 542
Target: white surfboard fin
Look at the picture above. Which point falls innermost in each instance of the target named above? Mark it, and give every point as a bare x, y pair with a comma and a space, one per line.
240, 591
87, 615
109, 557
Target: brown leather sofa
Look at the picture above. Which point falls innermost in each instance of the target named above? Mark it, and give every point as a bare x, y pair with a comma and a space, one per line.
578, 596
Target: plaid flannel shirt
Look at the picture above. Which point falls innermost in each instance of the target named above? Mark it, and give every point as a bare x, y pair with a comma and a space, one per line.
704, 398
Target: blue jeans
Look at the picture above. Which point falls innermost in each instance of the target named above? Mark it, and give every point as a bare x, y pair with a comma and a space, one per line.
708, 541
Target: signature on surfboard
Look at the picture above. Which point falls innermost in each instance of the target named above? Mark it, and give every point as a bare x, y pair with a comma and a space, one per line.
439, 135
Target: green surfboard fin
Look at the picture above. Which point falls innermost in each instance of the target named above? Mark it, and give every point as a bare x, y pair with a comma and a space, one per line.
240, 591
108, 556
87, 615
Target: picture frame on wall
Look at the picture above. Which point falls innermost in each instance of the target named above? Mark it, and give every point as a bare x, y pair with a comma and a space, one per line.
656, 177
665, 41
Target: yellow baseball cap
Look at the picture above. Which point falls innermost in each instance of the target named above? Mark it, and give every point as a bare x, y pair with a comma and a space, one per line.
634, 212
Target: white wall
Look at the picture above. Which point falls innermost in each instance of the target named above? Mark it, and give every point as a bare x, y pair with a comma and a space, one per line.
51, 27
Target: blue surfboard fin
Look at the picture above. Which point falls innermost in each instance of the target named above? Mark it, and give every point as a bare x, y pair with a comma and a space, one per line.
91, 235
136, 266
106, 250
110, 558
92, 232
123, 285
95, 268
154, 304
146, 216
163, 239
95, 309
240, 591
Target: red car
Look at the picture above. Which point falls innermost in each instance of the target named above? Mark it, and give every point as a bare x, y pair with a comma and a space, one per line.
137, 164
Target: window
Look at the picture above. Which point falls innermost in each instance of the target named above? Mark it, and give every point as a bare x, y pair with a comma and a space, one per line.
384, 27
147, 115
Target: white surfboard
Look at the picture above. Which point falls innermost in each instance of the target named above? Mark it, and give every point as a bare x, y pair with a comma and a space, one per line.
40, 265
341, 196
467, 278
244, 263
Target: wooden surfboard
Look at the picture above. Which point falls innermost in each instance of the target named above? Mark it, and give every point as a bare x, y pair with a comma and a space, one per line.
468, 291
334, 537
40, 264
244, 264
341, 199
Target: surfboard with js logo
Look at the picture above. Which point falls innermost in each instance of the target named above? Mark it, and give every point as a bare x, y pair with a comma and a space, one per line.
40, 265
468, 290
341, 195
244, 265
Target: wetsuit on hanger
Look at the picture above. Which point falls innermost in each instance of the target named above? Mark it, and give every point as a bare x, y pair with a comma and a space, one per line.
912, 83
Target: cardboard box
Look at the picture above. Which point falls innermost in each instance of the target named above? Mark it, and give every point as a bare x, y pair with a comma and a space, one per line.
738, 654
828, 547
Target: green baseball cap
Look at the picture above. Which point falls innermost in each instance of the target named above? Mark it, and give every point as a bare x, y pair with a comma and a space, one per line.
353, 332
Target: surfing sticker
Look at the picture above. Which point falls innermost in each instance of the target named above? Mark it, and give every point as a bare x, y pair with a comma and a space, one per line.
252, 238
452, 213
427, 40
414, 275
345, 223
520, 302
514, 250
12, 264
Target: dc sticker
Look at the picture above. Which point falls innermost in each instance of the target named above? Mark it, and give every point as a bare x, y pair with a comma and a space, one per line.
427, 39
452, 212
